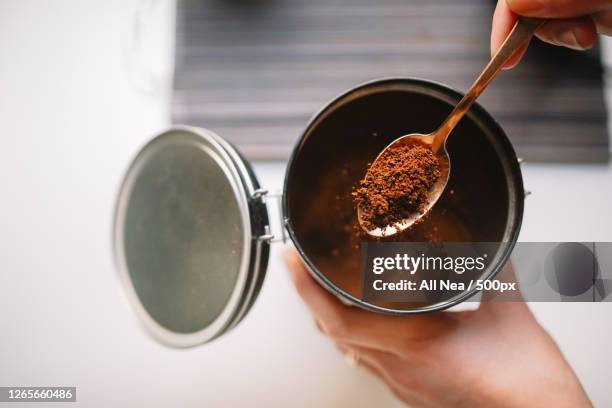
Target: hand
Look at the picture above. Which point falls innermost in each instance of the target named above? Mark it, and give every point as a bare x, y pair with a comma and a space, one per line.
573, 23
497, 355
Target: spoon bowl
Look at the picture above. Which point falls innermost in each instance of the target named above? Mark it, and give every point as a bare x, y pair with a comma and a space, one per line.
435, 191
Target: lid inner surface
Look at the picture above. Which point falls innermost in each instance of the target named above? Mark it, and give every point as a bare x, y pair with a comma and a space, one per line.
183, 235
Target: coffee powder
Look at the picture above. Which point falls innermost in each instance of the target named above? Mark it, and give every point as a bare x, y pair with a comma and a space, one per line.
396, 185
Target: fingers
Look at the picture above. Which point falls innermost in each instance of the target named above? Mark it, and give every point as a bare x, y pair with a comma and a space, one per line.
575, 33
350, 325
575, 29
557, 8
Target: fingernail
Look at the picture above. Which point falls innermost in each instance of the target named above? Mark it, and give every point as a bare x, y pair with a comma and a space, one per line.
319, 326
509, 66
574, 39
352, 358
581, 46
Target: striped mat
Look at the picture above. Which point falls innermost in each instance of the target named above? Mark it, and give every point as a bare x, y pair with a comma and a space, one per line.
256, 71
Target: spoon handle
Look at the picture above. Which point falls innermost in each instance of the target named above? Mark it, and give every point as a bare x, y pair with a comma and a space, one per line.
521, 33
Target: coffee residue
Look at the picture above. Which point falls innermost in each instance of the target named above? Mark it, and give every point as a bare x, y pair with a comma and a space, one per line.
396, 185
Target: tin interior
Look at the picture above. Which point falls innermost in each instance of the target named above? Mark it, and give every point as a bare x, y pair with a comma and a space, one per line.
482, 203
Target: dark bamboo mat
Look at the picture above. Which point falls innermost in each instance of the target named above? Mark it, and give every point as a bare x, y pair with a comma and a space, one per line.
256, 71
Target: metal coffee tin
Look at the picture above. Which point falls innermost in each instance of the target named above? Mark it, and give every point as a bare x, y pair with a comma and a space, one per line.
403, 106
192, 232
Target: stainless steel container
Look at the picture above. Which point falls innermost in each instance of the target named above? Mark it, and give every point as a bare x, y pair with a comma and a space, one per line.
192, 232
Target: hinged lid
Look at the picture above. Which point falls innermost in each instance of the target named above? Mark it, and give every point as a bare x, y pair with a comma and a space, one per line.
187, 236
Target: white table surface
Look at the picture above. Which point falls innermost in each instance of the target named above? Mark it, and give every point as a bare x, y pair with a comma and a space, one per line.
71, 121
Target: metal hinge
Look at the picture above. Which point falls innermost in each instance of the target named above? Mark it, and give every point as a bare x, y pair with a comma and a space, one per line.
278, 234
520, 162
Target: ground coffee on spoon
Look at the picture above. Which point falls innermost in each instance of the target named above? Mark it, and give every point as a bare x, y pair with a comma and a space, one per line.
396, 185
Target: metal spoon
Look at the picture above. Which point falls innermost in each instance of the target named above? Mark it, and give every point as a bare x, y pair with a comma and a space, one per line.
521, 33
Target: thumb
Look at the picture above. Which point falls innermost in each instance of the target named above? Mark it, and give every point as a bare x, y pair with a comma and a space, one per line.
503, 21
